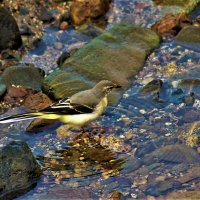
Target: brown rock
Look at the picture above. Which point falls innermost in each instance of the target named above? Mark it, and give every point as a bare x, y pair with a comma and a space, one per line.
37, 101
64, 25
171, 24
40, 124
115, 195
16, 94
82, 11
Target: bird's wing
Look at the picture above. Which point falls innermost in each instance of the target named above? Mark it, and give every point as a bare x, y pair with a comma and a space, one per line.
64, 107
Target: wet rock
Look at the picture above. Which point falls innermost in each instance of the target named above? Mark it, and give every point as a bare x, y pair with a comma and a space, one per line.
180, 6
113, 143
22, 75
62, 58
131, 165
62, 192
189, 38
115, 195
174, 153
116, 55
64, 25
153, 86
37, 101
64, 21
45, 15
161, 187
189, 195
149, 147
190, 116
15, 95
171, 24
188, 133
2, 89
65, 55
82, 11
9, 32
188, 81
25, 30
40, 125
189, 99
90, 30
19, 170
194, 173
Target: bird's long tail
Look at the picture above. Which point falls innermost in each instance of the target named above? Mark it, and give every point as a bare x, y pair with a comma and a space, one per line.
25, 116
19, 117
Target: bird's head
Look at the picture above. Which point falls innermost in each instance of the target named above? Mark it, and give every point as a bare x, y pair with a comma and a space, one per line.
106, 86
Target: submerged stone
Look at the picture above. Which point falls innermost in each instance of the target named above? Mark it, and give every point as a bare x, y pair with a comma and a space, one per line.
116, 55
176, 154
161, 188
19, 170
153, 86
189, 37
65, 192
176, 195
188, 80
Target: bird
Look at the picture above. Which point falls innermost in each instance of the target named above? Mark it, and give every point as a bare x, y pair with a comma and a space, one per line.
77, 111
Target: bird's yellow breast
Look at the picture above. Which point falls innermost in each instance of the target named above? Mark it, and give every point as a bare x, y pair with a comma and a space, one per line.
84, 119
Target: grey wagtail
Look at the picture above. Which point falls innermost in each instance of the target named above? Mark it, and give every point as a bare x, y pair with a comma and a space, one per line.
77, 111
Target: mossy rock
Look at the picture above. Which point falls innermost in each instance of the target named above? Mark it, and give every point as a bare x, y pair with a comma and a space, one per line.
19, 170
189, 37
178, 6
22, 75
116, 55
2, 89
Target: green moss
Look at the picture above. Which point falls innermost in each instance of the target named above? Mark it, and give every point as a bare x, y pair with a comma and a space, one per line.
22, 75
116, 55
173, 3
178, 6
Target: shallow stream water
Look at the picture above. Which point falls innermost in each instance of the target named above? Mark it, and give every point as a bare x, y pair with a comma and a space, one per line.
120, 155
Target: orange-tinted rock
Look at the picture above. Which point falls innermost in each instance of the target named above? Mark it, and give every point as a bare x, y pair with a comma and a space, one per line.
64, 25
82, 11
16, 94
37, 101
171, 24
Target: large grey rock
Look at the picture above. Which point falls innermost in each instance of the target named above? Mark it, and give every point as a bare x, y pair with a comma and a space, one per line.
10, 37
19, 170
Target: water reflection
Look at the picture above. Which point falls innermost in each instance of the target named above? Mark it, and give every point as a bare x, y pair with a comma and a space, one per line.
84, 156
